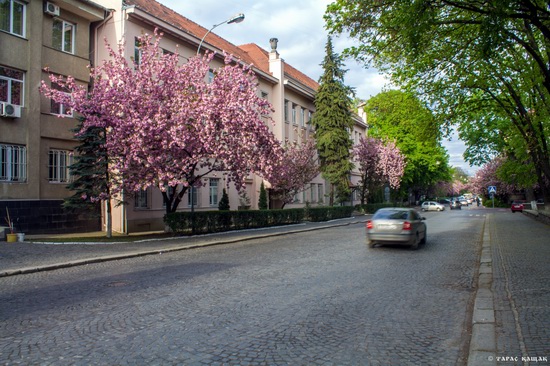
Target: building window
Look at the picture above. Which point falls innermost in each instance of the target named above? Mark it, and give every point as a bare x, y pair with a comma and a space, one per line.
59, 163
166, 52
13, 163
320, 194
312, 189
302, 117
192, 197
286, 111
11, 85
63, 36
137, 51
60, 108
214, 191
294, 113
141, 199
12, 17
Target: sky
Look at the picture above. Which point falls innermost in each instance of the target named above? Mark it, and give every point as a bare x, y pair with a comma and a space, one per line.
299, 27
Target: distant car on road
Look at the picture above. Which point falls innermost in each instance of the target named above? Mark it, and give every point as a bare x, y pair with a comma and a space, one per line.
444, 201
432, 206
517, 206
463, 201
394, 225
456, 205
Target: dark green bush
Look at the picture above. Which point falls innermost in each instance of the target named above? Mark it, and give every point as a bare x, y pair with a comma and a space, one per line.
317, 214
203, 222
371, 208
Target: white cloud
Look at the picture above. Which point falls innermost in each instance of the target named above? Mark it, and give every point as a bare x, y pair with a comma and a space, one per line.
299, 26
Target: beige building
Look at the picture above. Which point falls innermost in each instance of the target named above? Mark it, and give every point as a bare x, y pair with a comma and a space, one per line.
289, 91
35, 145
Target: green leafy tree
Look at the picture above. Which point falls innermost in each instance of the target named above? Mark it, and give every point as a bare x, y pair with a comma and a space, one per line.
458, 174
400, 117
483, 66
223, 205
332, 122
90, 169
262, 202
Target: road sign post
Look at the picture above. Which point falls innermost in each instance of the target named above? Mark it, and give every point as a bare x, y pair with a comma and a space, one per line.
492, 191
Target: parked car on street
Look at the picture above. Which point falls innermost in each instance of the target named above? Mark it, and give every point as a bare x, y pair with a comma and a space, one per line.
444, 201
394, 225
432, 206
517, 205
455, 205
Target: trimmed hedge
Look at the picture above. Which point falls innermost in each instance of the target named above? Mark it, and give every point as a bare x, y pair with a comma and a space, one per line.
317, 214
203, 222
371, 208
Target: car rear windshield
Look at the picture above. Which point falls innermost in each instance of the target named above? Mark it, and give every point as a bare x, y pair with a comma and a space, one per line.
394, 215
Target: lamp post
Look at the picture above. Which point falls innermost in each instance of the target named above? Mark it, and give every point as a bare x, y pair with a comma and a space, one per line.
237, 18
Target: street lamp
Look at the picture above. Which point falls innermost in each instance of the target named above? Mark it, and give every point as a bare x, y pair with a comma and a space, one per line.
237, 18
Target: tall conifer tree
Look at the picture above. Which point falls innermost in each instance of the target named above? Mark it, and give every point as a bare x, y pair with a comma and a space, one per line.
90, 169
332, 122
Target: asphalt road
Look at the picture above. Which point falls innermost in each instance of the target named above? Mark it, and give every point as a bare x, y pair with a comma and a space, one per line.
316, 298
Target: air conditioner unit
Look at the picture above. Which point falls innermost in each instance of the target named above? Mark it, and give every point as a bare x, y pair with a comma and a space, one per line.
51, 8
10, 110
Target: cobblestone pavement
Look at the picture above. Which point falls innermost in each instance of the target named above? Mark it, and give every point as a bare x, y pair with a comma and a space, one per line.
317, 298
521, 284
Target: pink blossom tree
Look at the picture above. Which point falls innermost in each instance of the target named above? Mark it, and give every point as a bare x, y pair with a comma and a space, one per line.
298, 167
167, 125
487, 176
379, 163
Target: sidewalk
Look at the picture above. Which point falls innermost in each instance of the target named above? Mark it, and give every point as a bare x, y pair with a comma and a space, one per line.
28, 257
511, 315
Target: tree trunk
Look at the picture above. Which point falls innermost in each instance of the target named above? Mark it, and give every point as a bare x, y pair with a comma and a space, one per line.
109, 219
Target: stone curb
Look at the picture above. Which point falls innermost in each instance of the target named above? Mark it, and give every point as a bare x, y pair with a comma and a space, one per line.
81, 262
483, 341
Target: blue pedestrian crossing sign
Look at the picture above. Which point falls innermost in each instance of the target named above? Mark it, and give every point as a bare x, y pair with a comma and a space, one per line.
492, 189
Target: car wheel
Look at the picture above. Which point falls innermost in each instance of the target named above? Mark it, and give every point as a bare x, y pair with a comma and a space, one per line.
423, 209
414, 245
371, 243
423, 241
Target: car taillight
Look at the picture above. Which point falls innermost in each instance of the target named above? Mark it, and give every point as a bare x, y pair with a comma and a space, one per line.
407, 225
369, 225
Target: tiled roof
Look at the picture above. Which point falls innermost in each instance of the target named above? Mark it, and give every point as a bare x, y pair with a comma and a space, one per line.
249, 53
261, 60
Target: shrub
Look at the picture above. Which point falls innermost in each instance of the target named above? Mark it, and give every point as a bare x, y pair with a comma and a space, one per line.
223, 205
262, 203
317, 214
203, 222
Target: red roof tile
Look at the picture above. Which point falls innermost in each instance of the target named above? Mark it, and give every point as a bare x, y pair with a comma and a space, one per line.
261, 60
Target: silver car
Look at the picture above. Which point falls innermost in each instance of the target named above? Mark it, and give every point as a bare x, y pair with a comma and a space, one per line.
396, 226
432, 206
